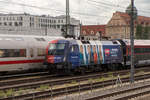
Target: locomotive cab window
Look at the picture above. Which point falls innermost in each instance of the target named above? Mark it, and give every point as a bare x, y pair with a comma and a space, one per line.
56, 49
57, 46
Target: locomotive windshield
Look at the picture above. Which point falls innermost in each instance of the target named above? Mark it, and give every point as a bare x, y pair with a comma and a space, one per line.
56, 49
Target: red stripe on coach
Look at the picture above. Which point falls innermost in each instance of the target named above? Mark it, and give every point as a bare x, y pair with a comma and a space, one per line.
21, 61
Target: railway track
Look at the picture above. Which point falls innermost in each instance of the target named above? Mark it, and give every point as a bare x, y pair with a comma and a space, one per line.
124, 93
37, 81
15, 76
60, 91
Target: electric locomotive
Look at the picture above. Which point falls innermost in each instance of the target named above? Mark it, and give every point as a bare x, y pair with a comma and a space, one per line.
69, 55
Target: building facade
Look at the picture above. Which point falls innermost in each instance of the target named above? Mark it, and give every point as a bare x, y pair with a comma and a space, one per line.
92, 32
119, 25
26, 24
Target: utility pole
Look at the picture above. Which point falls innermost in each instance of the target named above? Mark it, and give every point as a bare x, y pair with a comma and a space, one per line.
132, 41
67, 18
132, 11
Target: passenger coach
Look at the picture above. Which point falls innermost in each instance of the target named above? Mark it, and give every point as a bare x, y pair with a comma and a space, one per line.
18, 52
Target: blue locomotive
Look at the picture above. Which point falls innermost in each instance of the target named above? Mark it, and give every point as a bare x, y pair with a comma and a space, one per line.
71, 55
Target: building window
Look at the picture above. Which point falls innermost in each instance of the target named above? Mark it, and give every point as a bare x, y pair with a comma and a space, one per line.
62, 21
58, 21
16, 24
5, 23
21, 18
92, 32
55, 26
58, 26
84, 32
20, 23
10, 23
0, 23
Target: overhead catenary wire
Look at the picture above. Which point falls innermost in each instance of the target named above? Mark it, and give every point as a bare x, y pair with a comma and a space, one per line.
113, 5
74, 13
105, 5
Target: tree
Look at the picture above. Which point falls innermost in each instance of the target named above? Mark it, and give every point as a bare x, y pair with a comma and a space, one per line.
146, 32
139, 31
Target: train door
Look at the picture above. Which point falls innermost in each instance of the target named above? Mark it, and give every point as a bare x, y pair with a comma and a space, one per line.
74, 55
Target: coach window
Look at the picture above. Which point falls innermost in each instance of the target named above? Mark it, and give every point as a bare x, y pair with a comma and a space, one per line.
4, 53
1, 53
41, 52
31, 52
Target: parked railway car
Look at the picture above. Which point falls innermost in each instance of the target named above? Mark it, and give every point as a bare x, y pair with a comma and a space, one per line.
141, 52
18, 52
75, 55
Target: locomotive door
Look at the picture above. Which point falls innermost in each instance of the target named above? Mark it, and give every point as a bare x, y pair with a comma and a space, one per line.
74, 55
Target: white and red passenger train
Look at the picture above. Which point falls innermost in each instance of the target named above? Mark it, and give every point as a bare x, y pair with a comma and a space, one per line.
18, 52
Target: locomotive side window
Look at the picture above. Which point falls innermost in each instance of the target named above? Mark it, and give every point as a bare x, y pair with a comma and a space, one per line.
74, 48
4, 53
41, 52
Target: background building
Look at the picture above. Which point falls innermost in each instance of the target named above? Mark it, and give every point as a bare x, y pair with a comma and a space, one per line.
92, 32
26, 24
119, 25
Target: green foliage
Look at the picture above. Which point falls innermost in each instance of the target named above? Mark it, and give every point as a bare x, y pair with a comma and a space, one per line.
2, 94
43, 87
142, 32
139, 31
146, 32
74, 82
9, 92
90, 80
20, 91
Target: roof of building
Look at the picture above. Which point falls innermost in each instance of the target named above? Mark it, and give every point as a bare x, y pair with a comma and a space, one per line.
140, 19
93, 29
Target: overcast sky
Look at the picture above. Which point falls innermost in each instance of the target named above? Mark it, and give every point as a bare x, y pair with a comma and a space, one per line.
88, 11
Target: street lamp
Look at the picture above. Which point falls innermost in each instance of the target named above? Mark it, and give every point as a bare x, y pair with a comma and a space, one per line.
132, 12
